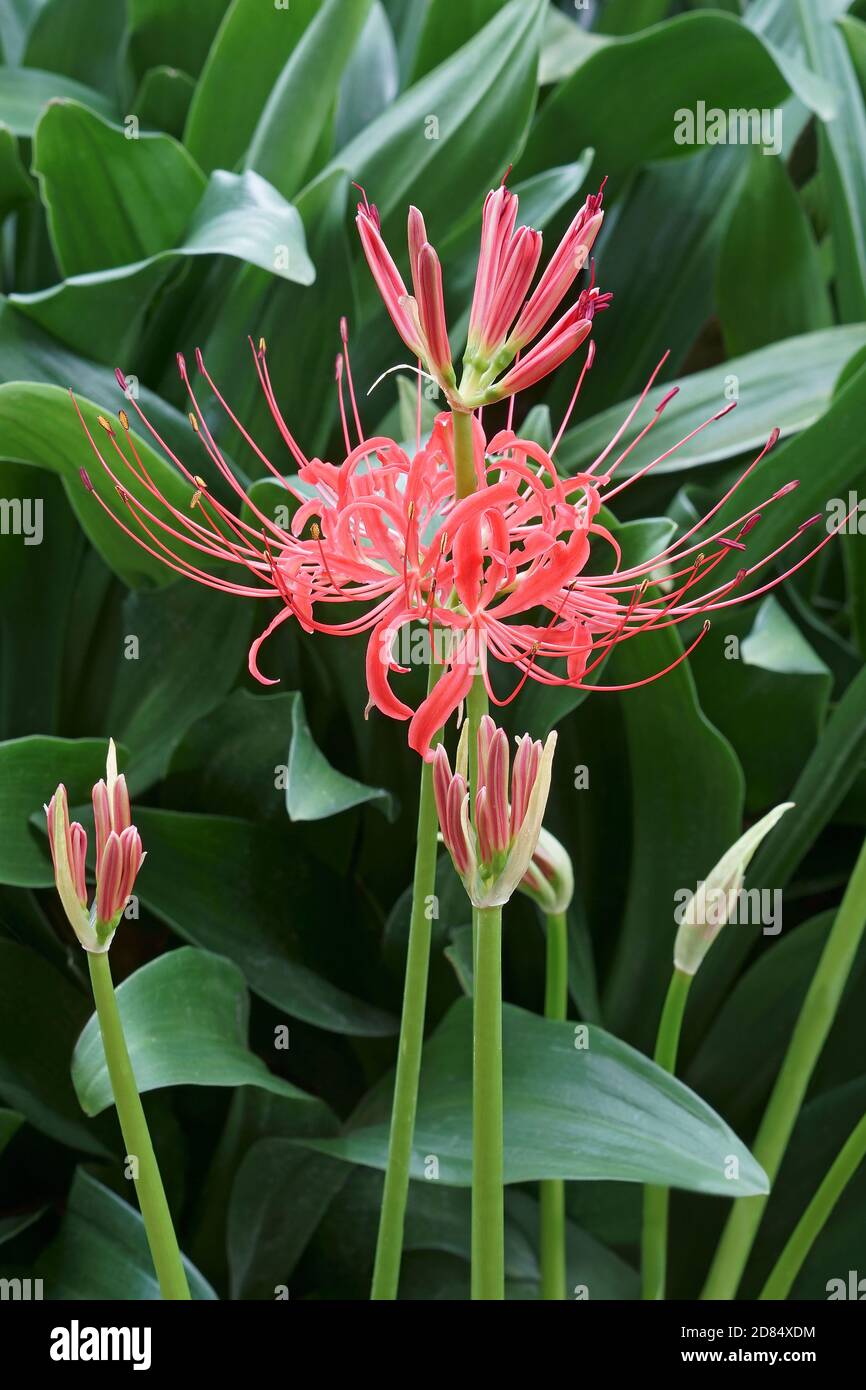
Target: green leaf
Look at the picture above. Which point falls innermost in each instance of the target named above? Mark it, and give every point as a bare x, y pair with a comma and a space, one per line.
185, 1018
15, 187
111, 200
37, 582
40, 427
708, 57
841, 145
29, 355
481, 99
30, 769
280, 1194
161, 31
243, 891
772, 389
371, 79
773, 680
163, 99
224, 112
41, 1015
314, 789
282, 147
599, 1111
26, 92
101, 1251
770, 284
189, 646
286, 316
738, 1060
819, 790
686, 809
80, 39
240, 215
447, 28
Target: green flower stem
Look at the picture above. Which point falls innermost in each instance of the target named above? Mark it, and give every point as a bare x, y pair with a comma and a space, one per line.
389, 1244
148, 1184
654, 1245
488, 1217
552, 1191
464, 454
810, 1033
812, 1222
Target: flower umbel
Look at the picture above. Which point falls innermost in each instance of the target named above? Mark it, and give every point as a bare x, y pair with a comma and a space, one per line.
119, 856
493, 849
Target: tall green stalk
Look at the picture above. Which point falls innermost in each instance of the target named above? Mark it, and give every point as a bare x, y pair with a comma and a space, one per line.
488, 1216
812, 1222
389, 1245
136, 1137
654, 1244
810, 1033
552, 1190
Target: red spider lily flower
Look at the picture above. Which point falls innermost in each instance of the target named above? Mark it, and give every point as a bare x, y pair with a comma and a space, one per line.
501, 573
507, 263
119, 856
493, 850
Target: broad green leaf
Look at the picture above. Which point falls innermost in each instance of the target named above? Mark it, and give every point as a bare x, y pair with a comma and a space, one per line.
628, 16
30, 769
101, 1251
163, 99
15, 186
224, 112
16, 21
371, 79
712, 58
480, 99
286, 316
599, 1111
111, 200
161, 31
26, 92
686, 794
39, 426
280, 1194
41, 1015
80, 39
185, 1018
314, 789
841, 145
240, 215
37, 579
281, 148
770, 284
181, 651
756, 672
240, 890
737, 1062
770, 386
447, 27
589, 1264
27, 354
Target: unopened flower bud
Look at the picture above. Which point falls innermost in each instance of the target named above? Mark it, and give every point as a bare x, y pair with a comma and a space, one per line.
710, 907
549, 880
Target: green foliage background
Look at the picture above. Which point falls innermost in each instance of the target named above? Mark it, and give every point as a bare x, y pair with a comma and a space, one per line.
178, 176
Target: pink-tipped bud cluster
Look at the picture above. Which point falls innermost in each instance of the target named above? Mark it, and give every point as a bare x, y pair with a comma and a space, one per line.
506, 314
119, 857
493, 850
